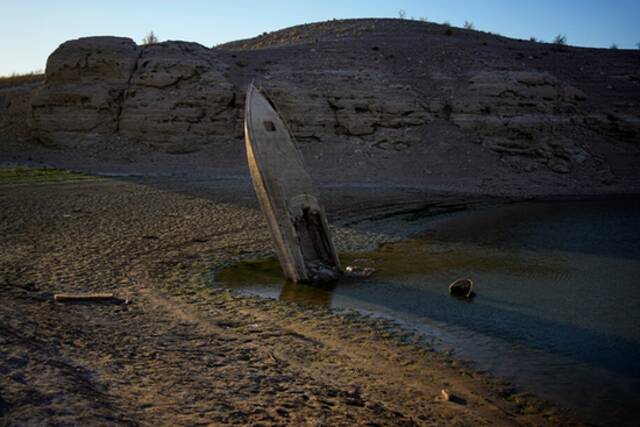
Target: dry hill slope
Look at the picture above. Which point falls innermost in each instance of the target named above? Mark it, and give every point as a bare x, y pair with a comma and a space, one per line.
371, 100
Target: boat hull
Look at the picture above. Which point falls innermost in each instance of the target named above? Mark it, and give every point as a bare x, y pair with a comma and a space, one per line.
296, 219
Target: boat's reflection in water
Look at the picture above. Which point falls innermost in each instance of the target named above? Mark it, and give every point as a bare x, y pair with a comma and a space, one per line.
300, 293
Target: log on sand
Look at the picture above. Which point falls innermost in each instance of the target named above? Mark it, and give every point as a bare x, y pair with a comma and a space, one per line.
94, 297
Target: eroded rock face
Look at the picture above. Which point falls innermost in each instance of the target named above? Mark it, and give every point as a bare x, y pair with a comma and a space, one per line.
85, 83
522, 113
622, 127
347, 109
178, 97
15, 107
172, 94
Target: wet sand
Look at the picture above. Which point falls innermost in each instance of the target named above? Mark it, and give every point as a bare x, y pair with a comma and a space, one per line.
181, 353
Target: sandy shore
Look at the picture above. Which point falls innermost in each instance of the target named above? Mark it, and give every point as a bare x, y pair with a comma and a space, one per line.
183, 354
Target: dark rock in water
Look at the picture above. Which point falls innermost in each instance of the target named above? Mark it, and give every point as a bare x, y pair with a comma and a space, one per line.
462, 288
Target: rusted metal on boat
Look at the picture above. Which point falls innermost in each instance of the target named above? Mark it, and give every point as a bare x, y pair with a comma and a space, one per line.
287, 196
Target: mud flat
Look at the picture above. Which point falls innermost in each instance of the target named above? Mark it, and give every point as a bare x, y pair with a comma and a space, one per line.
183, 353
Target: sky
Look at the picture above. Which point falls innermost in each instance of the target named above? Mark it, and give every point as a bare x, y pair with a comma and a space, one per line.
31, 30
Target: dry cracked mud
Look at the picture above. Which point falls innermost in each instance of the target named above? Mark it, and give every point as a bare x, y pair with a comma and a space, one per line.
184, 353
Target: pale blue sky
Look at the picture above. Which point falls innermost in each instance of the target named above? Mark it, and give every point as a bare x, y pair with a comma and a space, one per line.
31, 30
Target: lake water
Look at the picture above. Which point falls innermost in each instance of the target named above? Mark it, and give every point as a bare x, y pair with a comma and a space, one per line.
557, 305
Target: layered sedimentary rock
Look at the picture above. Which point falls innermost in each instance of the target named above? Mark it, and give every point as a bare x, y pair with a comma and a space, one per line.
346, 109
85, 84
15, 107
179, 97
523, 113
385, 85
171, 94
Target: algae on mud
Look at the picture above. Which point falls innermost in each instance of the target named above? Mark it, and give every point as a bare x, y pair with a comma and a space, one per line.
411, 258
399, 260
27, 175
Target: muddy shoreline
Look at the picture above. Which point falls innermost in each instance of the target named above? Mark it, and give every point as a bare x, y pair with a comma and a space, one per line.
186, 353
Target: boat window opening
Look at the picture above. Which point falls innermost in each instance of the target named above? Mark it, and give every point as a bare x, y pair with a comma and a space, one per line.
268, 125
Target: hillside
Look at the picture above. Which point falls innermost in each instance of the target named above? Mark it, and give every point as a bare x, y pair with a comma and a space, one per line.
370, 101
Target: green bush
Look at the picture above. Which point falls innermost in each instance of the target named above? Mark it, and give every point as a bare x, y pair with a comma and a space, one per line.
560, 39
150, 38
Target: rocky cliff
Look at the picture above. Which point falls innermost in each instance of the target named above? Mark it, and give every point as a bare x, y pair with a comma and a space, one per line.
376, 88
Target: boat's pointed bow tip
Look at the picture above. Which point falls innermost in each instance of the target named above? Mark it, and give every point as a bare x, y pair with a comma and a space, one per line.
251, 89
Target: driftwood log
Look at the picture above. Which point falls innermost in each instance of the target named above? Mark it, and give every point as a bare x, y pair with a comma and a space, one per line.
96, 297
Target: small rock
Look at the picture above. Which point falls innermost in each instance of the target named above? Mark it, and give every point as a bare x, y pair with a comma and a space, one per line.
462, 288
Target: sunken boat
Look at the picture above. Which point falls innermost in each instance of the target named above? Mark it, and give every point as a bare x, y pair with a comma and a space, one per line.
287, 196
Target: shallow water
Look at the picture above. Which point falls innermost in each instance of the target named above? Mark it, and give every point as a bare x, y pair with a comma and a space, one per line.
556, 310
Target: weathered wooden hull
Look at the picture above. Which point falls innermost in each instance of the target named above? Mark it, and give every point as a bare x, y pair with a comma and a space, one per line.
288, 199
